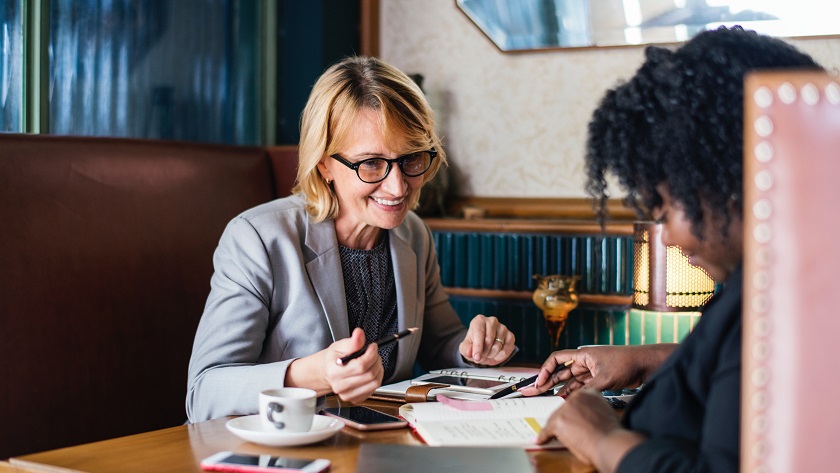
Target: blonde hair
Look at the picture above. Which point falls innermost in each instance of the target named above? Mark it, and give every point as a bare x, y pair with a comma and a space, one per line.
338, 96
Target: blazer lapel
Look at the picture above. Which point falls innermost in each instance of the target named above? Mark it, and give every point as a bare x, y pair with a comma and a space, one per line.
404, 260
320, 238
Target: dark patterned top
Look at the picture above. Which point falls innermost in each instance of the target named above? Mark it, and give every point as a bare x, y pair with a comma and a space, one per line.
372, 296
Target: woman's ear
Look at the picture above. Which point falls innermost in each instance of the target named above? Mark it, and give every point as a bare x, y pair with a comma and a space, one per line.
324, 170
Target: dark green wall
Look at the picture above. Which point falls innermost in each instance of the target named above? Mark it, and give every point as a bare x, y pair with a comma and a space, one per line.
311, 36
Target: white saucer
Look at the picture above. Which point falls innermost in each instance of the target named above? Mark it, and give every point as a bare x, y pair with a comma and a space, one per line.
250, 428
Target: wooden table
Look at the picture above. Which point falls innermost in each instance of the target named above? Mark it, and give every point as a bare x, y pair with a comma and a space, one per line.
180, 449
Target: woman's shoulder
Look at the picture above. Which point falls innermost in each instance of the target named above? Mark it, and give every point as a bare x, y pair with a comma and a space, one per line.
286, 215
292, 203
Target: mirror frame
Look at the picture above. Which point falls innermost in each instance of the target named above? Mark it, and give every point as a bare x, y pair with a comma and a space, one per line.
528, 25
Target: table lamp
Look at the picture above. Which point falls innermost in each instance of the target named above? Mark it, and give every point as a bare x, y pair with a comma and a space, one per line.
663, 278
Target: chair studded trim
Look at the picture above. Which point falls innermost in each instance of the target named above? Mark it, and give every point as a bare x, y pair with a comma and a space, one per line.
791, 260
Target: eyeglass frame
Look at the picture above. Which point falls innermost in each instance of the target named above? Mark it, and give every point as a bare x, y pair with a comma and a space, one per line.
398, 160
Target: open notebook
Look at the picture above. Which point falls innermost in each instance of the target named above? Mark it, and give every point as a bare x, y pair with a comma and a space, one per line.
504, 422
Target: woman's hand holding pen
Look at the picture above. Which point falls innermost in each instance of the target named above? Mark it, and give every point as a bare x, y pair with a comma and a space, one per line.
353, 382
488, 342
600, 367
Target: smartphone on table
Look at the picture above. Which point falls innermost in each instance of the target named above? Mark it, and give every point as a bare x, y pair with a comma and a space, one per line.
243, 462
365, 418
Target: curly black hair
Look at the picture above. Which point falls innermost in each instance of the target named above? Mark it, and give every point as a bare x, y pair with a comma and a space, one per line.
679, 121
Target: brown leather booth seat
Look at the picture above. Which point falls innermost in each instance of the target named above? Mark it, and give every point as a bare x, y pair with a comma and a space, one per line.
105, 260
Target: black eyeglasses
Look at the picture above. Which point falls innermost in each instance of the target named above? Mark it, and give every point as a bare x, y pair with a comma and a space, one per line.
374, 170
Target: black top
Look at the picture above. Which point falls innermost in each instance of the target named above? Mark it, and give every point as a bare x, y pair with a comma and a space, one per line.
689, 409
372, 296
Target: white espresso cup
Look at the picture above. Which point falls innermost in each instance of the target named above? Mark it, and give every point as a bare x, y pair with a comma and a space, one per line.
287, 409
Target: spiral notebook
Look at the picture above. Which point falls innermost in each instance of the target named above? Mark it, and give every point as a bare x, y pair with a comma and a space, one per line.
461, 383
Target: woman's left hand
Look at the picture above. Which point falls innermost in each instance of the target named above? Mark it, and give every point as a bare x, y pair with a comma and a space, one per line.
589, 428
488, 342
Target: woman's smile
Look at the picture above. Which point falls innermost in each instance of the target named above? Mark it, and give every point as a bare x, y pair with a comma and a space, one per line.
388, 203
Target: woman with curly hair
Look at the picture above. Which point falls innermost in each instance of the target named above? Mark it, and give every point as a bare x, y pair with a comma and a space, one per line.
673, 136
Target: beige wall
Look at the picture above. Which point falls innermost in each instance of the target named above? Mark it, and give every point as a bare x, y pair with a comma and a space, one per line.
514, 124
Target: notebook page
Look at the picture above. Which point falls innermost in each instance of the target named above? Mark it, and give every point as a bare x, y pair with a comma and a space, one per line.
538, 407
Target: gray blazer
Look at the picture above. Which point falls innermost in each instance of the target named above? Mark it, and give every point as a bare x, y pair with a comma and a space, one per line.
277, 294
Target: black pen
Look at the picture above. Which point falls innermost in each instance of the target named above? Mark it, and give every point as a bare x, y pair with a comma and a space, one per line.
386, 340
529, 381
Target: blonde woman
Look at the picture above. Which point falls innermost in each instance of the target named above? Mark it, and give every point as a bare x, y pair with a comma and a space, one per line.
304, 280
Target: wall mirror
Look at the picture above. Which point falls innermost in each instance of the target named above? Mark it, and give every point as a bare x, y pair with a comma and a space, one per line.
550, 24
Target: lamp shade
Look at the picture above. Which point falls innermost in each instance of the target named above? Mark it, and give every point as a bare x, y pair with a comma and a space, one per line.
663, 278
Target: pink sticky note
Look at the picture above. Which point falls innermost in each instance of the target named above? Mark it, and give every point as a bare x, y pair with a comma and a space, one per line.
463, 405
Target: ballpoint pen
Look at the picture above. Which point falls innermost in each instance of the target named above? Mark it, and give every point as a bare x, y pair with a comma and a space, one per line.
527, 382
386, 340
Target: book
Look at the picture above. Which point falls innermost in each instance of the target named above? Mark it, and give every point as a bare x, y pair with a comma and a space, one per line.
498, 423
486, 268
514, 266
388, 458
473, 260
445, 258
528, 262
459, 259
500, 265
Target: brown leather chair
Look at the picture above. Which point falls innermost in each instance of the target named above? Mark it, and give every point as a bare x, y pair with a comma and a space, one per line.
105, 263
791, 264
